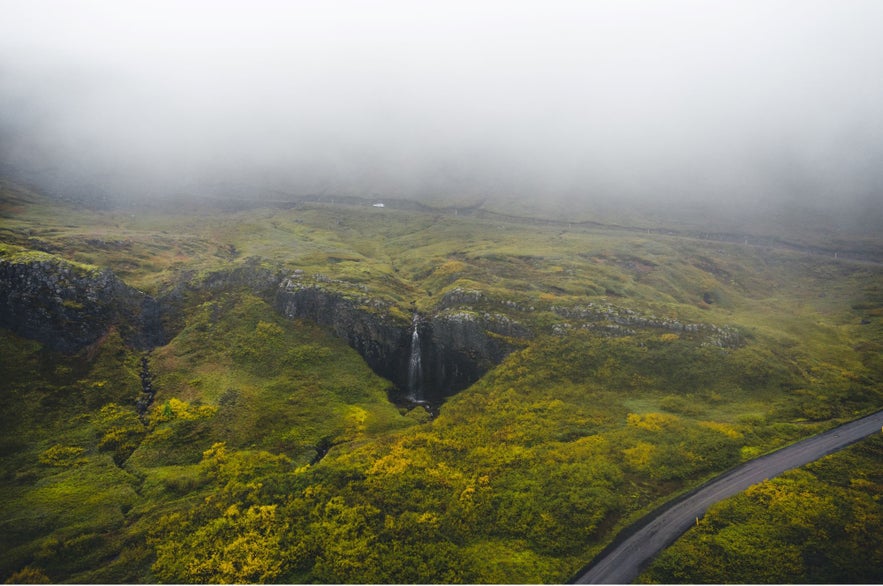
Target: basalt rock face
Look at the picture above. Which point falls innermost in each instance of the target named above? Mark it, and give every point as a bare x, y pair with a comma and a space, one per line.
68, 306
619, 321
457, 347
382, 341
460, 346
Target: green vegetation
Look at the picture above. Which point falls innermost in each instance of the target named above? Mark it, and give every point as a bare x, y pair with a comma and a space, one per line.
271, 453
820, 524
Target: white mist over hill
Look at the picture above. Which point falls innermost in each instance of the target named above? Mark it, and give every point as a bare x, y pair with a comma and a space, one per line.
733, 103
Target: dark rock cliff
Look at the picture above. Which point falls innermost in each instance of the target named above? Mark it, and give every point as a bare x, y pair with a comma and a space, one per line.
382, 341
68, 306
457, 347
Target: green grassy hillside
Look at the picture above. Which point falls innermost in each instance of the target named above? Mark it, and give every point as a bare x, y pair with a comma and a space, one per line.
272, 453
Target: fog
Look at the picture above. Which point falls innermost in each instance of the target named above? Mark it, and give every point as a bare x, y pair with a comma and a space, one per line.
733, 103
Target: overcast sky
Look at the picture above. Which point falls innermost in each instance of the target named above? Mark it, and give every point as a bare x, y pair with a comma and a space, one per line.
730, 100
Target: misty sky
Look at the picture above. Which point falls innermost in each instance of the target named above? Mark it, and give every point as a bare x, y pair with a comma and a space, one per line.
732, 100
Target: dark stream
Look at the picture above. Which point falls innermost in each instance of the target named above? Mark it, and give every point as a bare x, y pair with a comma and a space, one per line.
145, 400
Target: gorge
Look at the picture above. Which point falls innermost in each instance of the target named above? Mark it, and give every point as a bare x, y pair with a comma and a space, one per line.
457, 346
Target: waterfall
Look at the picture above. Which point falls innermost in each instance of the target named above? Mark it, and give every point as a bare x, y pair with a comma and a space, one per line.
415, 366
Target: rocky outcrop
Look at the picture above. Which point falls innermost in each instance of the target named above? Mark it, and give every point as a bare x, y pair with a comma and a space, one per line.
68, 306
250, 274
623, 321
192, 288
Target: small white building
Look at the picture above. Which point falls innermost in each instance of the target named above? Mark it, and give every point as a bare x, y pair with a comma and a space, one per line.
378, 205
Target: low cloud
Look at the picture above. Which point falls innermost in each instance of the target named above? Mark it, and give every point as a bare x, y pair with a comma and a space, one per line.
734, 103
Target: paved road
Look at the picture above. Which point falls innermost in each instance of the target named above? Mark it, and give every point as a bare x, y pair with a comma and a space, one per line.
633, 549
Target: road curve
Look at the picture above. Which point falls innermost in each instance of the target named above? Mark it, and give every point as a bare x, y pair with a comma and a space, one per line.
624, 559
